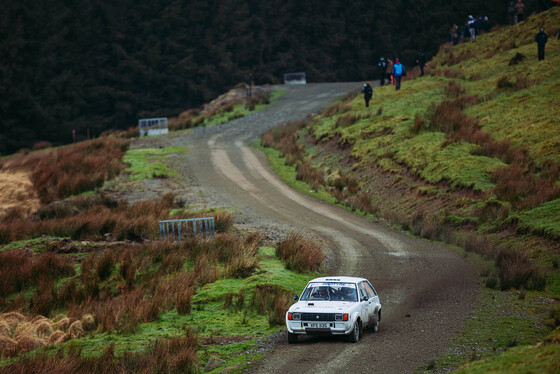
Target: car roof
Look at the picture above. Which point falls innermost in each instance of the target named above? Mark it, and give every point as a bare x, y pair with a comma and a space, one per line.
338, 279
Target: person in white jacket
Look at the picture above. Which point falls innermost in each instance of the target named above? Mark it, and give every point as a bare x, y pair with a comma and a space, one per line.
470, 25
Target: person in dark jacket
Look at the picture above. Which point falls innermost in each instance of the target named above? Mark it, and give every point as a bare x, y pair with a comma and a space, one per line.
382, 69
421, 61
519, 11
398, 72
511, 12
541, 40
368, 91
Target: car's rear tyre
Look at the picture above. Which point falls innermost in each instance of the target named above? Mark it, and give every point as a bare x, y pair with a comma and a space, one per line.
355, 333
375, 324
292, 338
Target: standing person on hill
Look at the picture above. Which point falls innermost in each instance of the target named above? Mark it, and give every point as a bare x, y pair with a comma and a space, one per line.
398, 72
368, 92
520, 10
389, 69
421, 61
382, 69
470, 25
511, 12
541, 40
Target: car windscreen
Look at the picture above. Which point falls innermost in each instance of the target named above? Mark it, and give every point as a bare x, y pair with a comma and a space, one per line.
330, 291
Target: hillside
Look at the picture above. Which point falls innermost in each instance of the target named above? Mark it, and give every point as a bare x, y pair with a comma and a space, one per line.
469, 155
90, 67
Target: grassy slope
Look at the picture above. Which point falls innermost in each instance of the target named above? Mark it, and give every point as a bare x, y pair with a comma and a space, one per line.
527, 117
230, 333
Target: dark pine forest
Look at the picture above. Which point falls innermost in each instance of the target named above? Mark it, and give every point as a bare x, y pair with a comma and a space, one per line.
102, 64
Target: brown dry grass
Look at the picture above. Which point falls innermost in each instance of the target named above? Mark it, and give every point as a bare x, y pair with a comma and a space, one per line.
73, 169
4, 328
17, 192
300, 254
174, 355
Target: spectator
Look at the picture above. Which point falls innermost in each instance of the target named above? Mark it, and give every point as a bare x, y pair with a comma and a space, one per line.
541, 40
382, 68
470, 26
421, 61
368, 92
520, 9
454, 34
398, 72
389, 75
511, 12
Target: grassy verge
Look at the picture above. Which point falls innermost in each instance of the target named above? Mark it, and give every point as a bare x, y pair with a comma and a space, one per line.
149, 163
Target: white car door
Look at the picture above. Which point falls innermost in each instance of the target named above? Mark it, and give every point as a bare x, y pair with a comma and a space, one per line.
366, 305
373, 300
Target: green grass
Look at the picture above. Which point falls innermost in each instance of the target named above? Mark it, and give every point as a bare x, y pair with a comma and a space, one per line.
542, 220
208, 318
499, 322
288, 174
519, 360
147, 163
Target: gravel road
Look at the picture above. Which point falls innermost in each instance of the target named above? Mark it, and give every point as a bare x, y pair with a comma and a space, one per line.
426, 289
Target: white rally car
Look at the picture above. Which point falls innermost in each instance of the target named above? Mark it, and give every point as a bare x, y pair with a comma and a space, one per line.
334, 306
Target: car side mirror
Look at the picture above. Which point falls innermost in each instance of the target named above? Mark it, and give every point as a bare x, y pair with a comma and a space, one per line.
296, 298
365, 298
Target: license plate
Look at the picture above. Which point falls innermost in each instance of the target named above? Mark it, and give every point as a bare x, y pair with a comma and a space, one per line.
319, 325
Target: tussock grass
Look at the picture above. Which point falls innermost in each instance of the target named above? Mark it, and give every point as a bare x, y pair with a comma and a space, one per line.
300, 254
174, 355
73, 169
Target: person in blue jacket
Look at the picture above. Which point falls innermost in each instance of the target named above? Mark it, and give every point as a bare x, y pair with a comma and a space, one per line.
398, 72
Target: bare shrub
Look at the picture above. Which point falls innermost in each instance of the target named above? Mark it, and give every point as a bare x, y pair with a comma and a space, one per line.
518, 185
517, 271
224, 221
522, 81
418, 124
453, 89
504, 82
284, 138
481, 245
282, 301
184, 299
363, 202
240, 299
300, 254
347, 120
104, 265
306, 172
